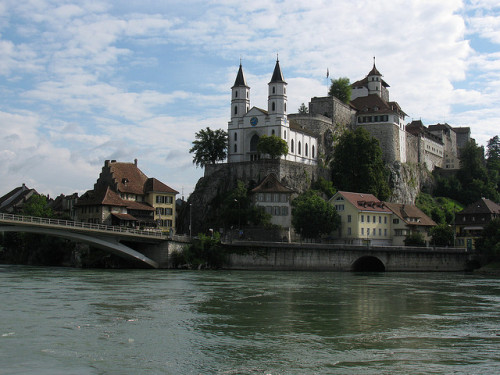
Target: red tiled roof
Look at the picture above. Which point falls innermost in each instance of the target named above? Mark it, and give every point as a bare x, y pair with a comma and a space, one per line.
369, 102
271, 184
133, 205
106, 197
126, 217
363, 202
482, 206
154, 185
407, 212
128, 177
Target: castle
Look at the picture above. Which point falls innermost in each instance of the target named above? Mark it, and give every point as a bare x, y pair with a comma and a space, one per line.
310, 136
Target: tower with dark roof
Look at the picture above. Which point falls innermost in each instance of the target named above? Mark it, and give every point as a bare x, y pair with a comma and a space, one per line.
276, 102
240, 98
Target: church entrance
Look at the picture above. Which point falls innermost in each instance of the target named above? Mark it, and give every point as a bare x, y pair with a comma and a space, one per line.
254, 141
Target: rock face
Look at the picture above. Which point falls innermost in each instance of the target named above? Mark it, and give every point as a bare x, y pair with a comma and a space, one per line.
407, 180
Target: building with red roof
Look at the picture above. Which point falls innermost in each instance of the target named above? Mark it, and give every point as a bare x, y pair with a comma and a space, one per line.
124, 195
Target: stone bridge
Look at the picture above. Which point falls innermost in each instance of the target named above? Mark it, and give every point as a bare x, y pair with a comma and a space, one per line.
148, 247
328, 257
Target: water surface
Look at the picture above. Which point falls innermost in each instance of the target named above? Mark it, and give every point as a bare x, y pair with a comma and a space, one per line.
72, 321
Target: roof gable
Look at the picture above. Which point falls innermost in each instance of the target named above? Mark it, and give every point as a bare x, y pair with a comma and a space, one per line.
271, 184
362, 201
410, 214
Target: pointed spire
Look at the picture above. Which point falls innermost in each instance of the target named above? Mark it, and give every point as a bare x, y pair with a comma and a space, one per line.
374, 71
277, 75
240, 78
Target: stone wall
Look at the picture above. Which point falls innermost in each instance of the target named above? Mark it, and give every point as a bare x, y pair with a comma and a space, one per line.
388, 137
319, 257
332, 108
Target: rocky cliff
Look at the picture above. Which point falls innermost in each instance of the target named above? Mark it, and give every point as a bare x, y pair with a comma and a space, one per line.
407, 180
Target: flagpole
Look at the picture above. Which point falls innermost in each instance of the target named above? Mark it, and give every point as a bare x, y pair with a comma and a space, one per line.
327, 75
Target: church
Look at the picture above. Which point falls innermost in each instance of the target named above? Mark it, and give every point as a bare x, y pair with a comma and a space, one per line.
248, 123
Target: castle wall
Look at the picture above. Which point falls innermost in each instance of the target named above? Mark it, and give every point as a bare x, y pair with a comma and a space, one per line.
412, 148
332, 108
388, 137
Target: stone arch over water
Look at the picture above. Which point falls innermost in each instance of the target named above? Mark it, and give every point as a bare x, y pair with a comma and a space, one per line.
368, 264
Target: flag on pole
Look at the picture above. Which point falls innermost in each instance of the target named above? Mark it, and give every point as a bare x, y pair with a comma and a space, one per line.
327, 73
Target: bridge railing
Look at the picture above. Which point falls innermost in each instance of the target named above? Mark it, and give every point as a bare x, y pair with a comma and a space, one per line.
79, 224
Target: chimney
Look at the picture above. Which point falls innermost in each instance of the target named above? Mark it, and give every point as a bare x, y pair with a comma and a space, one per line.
135, 162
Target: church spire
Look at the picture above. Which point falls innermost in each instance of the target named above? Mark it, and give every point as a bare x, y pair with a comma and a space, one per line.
277, 75
240, 78
240, 98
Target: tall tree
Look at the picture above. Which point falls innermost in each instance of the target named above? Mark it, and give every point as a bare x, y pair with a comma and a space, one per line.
473, 175
209, 147
272, 145
341, 89
493, 161
358, 166
37, 206
312, 216
303, 110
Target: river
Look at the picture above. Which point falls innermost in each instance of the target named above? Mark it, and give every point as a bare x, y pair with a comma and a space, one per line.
73, 321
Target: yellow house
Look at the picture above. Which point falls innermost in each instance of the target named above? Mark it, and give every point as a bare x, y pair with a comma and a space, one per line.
162, 198
363, 219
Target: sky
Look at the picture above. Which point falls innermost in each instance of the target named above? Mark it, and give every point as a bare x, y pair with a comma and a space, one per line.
82, 82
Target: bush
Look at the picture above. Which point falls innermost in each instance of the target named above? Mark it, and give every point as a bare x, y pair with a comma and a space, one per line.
415, 239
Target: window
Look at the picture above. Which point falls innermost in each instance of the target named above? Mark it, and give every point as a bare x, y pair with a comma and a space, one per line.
367, 218
307, 150
362, 218
163, 199
312, 155
235, 137
273, 106
260, 197
298, 148
235, 110
235, 147
272, 132
339, 207
291, 146
236, 94
274, 90
380, 232
277, 210
385, 219
349, 231
374, 219
276, 197
284, 211
380, 219
362, 231
395, 221
385, 232
368, 231
348, 218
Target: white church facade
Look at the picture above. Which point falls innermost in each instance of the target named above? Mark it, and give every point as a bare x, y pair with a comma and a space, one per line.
248, 124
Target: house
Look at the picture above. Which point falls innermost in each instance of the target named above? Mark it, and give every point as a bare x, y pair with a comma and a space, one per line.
471, 221
124, 195
13, 201
407, 219
274, 198
363, 219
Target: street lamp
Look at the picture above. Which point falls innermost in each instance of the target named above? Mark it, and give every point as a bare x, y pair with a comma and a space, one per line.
239, 214
190, 233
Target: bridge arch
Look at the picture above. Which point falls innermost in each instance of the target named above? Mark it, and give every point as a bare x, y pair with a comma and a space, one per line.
368, 263
107, 244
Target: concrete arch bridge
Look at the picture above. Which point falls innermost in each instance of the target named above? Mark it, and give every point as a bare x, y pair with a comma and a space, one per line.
148, 247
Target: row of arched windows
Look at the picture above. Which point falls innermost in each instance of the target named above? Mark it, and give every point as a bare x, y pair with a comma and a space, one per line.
299, 149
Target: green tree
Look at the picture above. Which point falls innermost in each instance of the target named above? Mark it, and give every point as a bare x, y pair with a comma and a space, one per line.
493, 161
273, 146
414, 239
488, 245
303, 110
358, 165
325, 187
442, 235
209, 147
37, 206
312, 216
341, 89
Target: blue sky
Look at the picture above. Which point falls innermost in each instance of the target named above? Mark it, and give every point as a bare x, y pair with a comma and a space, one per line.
86, 81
